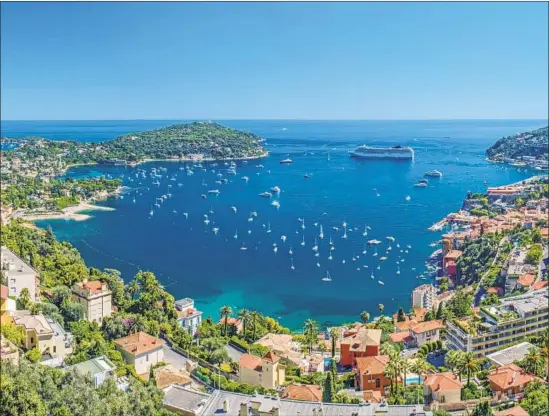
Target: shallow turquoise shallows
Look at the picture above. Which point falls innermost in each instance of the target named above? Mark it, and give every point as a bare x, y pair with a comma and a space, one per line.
192, 261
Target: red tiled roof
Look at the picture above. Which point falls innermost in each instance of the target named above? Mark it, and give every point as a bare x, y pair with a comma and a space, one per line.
495, 290
372, 365
427, 326
230, 321
139, 343
251, 362
309, 393
540, 284
443, 381
526, 280
453, 254
372, 396
271, 356
513, 411
509, 376
400, 337
93, 287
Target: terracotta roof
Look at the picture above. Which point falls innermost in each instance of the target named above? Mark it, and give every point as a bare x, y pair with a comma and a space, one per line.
509, 376
453, 254
443, 381
309, 393
406, 325
168, 375
513, 411
526, 280
251, 362
400, 336
230, 321
495, 290
540, 284
92, 287
372, 396
427, 326
363, 338
139, 343
372, 365
3, 292
271, 356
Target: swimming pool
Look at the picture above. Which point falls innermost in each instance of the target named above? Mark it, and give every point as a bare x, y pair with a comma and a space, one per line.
413, 380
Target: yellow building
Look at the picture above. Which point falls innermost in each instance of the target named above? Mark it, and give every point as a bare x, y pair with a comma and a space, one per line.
7, 305
45, 335
266, 372
96, 299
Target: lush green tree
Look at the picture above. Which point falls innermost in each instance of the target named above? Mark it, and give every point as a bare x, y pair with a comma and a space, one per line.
460, 304
71, 311
534, 254
534, 362
255, 317
15, 334
244, 316
401, 317
483, 409
225, 313
24, 301
440, 311
334, 336
536, 399
468, 365
419, 367
33, 355
364, 317
328, 392
310, 331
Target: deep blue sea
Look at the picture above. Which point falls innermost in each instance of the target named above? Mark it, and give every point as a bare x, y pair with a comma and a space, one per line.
191, 260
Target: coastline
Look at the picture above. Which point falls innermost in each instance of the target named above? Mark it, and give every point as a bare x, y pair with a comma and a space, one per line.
204, 159
69, 213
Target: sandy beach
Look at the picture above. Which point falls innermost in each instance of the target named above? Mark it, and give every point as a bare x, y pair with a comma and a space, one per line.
69, 213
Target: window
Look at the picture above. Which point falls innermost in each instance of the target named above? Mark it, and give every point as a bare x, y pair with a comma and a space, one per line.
378, 383
54, 349
32, 340
147, 356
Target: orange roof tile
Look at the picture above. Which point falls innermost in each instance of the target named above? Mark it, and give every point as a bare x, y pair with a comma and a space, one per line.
443, 381
540, 284
309, 393
271, 356
372, 365
92, 287
372, 396
251, 362
513, 411
139, 343
495, 290
427, 326
400, 336
453, 254
363, 338
526, 280
509, 376
230, 321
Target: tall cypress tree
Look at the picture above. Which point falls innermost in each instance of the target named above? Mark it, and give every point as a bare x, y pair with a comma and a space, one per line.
401, 316
329, 389
440, 310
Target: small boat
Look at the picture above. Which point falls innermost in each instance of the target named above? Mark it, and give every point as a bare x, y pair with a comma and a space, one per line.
215, 230
243, 248
381, 283
433, 173
315, 247
344, 234
365, 233
265, 194
391, 239
245, 178
292, 266
330, 256
186, 214
259, 166
408, 197
303, 242
307, 176
235, 235
234, 209
269, 228
203, 196
374, 242
283, 238
275, 189
372, 276
382, 258
290, 252
275, 204
286, 161
421, 184
327, 278
321, 234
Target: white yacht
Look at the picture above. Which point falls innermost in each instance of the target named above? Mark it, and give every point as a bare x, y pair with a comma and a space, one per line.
328, 278
434, 173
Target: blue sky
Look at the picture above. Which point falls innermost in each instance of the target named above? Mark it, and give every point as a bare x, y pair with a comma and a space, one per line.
280, 60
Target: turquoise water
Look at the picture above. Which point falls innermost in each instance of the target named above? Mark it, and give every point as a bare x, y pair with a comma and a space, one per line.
192, 261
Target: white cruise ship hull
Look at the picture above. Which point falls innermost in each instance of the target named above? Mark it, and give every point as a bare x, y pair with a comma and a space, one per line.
389, 154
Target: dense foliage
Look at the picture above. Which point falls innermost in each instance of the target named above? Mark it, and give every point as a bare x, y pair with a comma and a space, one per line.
476, 258
534, 143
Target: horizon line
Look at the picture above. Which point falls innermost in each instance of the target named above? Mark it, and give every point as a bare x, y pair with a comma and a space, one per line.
286, 119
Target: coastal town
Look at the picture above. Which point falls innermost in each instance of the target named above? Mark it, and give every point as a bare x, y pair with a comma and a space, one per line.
474, 338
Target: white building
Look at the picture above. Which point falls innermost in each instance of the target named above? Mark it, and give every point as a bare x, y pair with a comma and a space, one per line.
99, 368
187, 316
424, 296
19, 275
95, 298
141, 349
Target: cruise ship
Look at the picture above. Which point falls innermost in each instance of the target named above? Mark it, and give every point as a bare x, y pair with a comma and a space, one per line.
395, 152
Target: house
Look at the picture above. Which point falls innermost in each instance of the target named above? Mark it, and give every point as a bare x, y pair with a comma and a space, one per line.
284, 346
140, 349
442, 387
266, 372
305, 392
364, 343
401, 337
370, 373
184, 401
8, 351
45, 335
513, 411
188, 317
510, 355
168, 374
425, 332
95, 298
19, 275
449, 262
313, 363
7, 305
100, 369
509, 381
232, 322
423, 296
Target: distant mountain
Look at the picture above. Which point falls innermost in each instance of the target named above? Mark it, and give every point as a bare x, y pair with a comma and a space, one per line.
533, 144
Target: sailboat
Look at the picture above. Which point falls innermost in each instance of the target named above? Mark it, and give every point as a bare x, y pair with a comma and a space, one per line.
303, 224
292, 266
365, 233
290, 251
236, 234
372, 276
344, 234
375, 254
315, 247
321, 234
268, 228
303, 242
330, 256
364, 249
331, 242
328, 278
398, 270
408, 197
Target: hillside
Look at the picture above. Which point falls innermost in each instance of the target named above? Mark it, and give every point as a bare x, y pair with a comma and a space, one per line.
531, 144
207, 139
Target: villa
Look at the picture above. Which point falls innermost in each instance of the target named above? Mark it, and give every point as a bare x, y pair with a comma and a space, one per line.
509, 381
284, 346
95, 298
187, 316
370, 374
265, 372
140, 349
365, 342
442, 387
304, 392
425, 332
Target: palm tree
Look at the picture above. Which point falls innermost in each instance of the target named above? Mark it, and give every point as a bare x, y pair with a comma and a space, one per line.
310, 327
364, 317
388, 349
393, 370
225, 313
244, 316
255, 316
381, 307
405, 366
534, 362
453, 359
419, 367
469, 365
334, 336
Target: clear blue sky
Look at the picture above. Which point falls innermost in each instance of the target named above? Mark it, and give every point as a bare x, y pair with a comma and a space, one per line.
280, 60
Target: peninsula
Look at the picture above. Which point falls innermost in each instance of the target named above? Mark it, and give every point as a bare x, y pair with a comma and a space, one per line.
522, 149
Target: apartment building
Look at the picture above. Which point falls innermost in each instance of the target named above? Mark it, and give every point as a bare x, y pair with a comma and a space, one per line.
96, 299
506, 323
19, 275
424, 296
